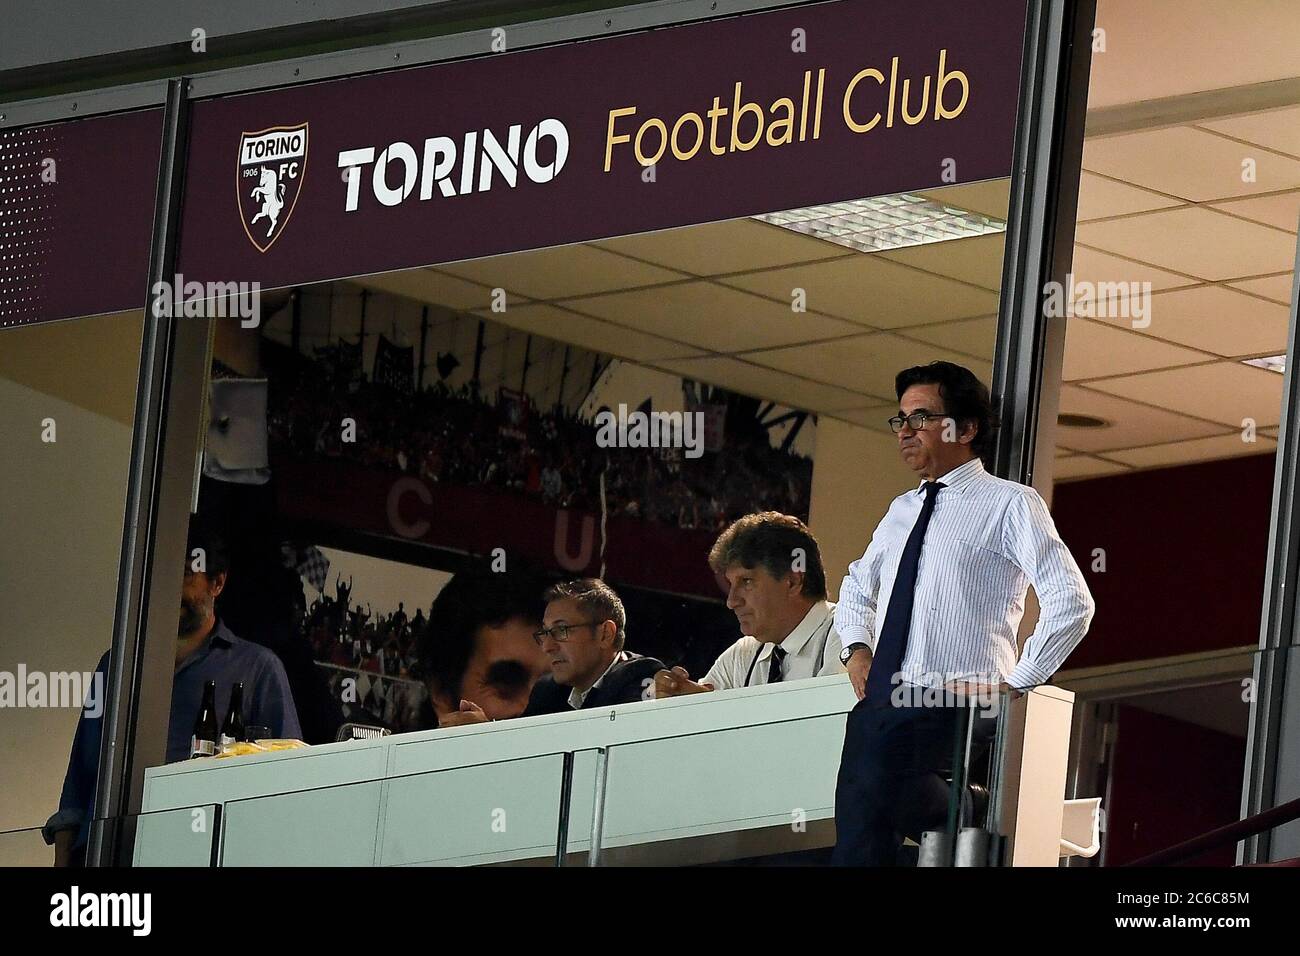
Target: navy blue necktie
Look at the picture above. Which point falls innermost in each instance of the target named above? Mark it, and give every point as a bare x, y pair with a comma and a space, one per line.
892, 644
774, 665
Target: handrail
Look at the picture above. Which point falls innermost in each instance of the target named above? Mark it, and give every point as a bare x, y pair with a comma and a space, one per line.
1231, 833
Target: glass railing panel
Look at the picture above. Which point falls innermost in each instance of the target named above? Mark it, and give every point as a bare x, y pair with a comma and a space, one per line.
725, 795
504, 812
181, 837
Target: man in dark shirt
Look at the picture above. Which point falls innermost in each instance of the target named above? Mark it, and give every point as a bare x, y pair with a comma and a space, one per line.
205, 650
583, 632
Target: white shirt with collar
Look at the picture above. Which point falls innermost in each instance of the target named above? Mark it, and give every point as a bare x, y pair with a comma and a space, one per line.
987, 541
812, 650
576, 697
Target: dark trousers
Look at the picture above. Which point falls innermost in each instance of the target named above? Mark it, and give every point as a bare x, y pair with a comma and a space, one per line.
892, 778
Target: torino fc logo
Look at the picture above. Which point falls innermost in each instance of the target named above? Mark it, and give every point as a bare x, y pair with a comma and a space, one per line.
272, 163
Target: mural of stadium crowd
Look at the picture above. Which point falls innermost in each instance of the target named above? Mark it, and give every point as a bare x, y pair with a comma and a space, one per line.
375, 651
481, 431
522, 424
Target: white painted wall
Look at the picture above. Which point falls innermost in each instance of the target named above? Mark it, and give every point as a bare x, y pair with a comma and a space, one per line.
856, 474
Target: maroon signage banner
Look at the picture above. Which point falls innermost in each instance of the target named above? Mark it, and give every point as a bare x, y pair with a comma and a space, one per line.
77, 216
581, 141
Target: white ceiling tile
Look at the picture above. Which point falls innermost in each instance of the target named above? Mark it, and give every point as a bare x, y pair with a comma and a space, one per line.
1093, 349
1093, 265
1214, 319
1083, 466
1188, 162
1226, 392
977, 260
1186, 452
764, 383
865, 363
719, 247
560, 272
712, 316
1281, 211
989, 198
593, 334
1277, 288
1276, 129
972, 336
1194, 240
1130, 423
875, 417
872, 291
1159, 48
1100, 197
438, 288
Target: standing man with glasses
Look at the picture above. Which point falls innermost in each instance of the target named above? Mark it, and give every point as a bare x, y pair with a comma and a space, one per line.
583, 632
935, 602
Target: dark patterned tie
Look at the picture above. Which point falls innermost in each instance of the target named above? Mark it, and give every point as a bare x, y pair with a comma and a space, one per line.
892, 645
774, 665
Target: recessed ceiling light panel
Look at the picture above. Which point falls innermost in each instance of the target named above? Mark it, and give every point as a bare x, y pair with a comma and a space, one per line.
886, 222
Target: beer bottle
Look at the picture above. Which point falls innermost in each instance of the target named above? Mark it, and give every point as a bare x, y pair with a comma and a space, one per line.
203, 743
232, 731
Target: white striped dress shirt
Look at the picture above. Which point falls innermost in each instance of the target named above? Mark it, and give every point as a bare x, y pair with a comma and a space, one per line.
987, 541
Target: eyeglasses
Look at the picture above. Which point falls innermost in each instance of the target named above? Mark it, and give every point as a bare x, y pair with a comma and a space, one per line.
916, 421
560, 632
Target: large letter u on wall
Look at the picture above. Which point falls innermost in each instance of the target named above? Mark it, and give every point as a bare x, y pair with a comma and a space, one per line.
573, 562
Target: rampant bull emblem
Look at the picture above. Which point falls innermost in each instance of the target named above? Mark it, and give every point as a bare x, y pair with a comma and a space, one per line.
270, 193
272, 164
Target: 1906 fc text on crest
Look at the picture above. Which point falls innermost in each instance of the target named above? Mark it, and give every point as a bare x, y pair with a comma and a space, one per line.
268, 180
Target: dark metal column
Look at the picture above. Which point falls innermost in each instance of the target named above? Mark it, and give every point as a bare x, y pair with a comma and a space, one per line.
1039, 249
1040, 236
566, 799
174, 360
1275, 711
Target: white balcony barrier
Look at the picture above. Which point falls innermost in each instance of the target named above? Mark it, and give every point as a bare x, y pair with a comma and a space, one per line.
694, 779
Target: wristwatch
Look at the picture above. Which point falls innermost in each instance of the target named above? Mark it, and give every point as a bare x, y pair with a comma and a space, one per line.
849, 652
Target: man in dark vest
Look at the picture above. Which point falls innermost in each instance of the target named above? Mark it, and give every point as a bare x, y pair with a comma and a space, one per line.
583, 632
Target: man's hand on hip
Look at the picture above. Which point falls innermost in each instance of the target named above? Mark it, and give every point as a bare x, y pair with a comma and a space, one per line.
976, 689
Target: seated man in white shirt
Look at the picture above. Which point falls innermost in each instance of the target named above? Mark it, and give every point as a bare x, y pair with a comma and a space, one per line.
777, 588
